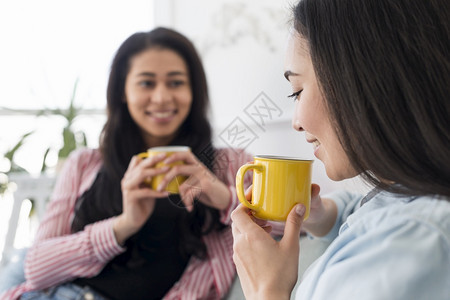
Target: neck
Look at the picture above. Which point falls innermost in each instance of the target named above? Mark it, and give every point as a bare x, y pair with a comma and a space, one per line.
153, 141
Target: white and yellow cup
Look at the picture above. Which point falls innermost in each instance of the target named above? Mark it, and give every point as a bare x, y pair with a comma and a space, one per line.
173, 186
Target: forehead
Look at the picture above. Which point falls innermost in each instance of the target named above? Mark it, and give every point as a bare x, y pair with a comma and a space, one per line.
158, 59
297, 53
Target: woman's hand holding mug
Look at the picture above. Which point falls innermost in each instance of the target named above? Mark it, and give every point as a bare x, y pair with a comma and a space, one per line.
138, 199
200, 182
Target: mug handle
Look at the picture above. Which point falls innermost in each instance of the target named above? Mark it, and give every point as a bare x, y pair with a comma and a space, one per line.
143, 155
240, 184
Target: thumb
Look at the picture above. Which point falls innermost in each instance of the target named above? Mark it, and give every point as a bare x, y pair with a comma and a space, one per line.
293, 224
315, 190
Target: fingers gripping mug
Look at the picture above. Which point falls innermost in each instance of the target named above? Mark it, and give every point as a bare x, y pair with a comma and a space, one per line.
278, 184
173, 186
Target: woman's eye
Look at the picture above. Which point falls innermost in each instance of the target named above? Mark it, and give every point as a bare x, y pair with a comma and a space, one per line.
176, 83
146, 83
295, 95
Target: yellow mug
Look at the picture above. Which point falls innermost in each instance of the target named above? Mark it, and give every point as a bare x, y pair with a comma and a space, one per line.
278, 184
173, 186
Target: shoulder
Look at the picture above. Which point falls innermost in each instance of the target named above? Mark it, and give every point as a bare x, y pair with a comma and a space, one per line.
85, 153
430, 210
401, 244
228, 161
233, 155
82, 160
404, 218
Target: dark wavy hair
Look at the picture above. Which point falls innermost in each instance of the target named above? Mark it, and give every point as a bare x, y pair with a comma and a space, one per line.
121, 137
384, 69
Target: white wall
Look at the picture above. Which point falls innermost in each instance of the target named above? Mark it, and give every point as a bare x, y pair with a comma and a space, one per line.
242, 45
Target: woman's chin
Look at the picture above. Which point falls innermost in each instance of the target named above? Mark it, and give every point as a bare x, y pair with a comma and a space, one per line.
339, 175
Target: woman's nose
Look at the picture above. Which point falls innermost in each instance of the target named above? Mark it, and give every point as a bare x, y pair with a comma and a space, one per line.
296, 124
160, 94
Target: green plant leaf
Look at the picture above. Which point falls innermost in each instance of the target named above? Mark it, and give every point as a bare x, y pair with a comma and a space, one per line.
73, 111
44, 165
10, 153
83, 142
69, 143
3, 188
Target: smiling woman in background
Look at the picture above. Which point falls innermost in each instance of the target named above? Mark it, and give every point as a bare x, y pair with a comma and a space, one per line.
371, 83
106, 234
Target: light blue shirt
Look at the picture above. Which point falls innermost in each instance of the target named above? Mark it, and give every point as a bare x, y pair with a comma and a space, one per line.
388, 248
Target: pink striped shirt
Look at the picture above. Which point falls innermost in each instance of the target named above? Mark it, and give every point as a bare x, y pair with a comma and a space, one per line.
57, 256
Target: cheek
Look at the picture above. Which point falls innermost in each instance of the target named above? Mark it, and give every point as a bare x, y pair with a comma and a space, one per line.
337, 159
187, 101
134, 105
132, 110
185, 98
136, 95
135, 102
131, 97
128, 91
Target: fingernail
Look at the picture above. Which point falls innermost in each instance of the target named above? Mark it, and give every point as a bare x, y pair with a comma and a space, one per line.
300, 210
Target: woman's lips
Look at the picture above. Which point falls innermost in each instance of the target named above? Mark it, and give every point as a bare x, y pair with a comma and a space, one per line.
315, 143
162, 116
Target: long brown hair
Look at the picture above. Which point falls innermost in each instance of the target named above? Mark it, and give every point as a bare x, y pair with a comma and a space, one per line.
384, 69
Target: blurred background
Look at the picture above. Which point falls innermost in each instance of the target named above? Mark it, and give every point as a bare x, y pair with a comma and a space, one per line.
54, 63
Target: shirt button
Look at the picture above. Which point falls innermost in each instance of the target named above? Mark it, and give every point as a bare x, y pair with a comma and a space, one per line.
88, 296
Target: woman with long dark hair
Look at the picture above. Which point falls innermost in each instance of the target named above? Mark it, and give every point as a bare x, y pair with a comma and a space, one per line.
108, 235
371, 82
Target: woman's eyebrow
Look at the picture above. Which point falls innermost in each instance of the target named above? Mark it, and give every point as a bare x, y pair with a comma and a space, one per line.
171, 73
147, 74
289, 73
176, 73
